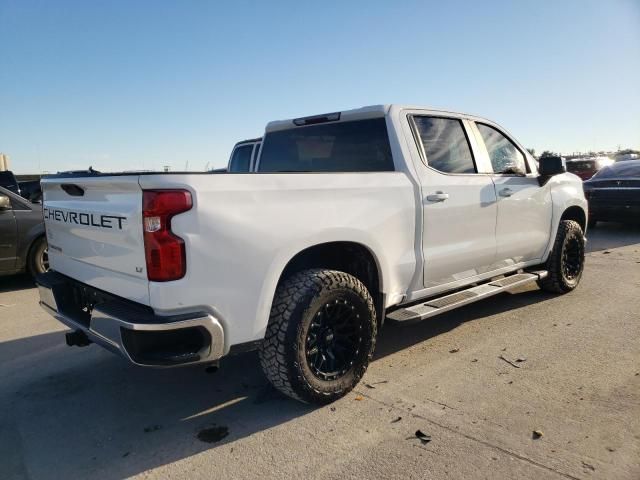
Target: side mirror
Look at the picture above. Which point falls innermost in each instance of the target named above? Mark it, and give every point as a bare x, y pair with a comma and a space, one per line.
549, 166
5, 202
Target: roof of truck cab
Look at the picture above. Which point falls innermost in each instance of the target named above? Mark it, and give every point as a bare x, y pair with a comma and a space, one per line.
249, 140
371, 111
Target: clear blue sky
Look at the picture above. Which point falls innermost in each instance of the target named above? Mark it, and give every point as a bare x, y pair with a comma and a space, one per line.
142, 84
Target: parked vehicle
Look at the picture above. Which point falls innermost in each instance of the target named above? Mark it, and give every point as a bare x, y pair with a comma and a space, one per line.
23, 245
353, 217
31, 190
27, 189
614, 193
8, 180
244, 155
585, 168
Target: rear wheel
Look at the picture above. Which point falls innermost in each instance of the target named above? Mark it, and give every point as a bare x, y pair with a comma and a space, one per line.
38, 260
566, 260
321, 335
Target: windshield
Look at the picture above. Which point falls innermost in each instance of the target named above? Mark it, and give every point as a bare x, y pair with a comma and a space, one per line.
581, 166
629, 168
356, 146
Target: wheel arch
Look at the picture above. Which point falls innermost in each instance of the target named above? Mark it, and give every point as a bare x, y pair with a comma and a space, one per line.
27, 243
350, 257
575, 213
29, 251
569, 203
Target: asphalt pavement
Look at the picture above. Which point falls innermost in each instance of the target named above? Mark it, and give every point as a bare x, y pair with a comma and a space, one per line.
570, 371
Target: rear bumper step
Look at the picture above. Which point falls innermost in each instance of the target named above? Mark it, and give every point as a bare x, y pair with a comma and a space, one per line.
128, 329
435, 306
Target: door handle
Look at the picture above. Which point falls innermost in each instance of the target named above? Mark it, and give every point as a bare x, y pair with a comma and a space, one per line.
505, 192
437, 197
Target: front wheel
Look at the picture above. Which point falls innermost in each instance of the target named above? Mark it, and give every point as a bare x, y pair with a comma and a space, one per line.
566, 260
38, 260
321, 335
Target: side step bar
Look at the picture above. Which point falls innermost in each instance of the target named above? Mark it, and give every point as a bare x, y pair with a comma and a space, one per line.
435, 306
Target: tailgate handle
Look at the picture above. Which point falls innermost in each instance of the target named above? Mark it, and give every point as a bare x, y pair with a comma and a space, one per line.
73, 189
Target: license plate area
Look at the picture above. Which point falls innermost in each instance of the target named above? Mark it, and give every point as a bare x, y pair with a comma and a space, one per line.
72, 299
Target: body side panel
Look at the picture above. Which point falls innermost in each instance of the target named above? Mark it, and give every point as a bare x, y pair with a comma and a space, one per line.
244, 229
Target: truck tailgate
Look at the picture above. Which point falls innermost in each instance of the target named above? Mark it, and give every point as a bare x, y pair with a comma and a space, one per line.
94, 231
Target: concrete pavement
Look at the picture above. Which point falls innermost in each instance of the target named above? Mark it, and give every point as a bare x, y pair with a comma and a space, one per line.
80, 413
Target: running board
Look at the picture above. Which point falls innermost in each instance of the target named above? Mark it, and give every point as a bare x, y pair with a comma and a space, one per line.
435, 306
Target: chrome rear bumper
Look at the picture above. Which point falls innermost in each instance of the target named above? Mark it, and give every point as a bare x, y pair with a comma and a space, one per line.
131, 330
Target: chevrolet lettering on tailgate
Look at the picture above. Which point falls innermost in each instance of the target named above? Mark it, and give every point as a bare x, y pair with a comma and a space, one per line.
81, 218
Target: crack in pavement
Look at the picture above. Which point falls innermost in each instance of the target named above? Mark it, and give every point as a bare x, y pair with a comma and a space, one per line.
472, 438
440, 403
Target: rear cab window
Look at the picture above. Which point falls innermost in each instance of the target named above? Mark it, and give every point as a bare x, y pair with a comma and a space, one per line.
348, 146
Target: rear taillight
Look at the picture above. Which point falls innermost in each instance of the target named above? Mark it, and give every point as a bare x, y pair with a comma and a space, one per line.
164, 251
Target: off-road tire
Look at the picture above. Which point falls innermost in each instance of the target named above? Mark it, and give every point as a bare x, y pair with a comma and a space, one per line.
557, 281
297, 301
37, 261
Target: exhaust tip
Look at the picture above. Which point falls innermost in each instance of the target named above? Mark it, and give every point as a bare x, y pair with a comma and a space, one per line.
77, 338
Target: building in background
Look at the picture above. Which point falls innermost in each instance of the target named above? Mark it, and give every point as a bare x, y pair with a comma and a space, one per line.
4, 162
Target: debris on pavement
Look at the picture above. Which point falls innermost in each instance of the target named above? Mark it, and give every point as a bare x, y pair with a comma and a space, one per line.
424, 438
521, 359
213, 434
454, 350
474, 360
396, 420
538, 434
513, 364
588, 466
368, 385
359, 397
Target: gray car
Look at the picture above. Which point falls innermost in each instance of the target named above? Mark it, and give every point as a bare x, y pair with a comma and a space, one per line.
23, 244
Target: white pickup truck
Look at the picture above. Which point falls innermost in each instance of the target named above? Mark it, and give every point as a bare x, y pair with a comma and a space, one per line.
343, 220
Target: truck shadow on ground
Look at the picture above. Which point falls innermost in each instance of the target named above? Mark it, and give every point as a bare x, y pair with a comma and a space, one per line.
398, 336
13, 283
606, 235
87, 413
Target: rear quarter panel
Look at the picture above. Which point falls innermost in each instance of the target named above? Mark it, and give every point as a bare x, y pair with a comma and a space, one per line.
244, 229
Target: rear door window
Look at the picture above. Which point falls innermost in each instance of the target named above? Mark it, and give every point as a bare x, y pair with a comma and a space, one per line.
355, 146
241, 158
505, 157
445, 144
